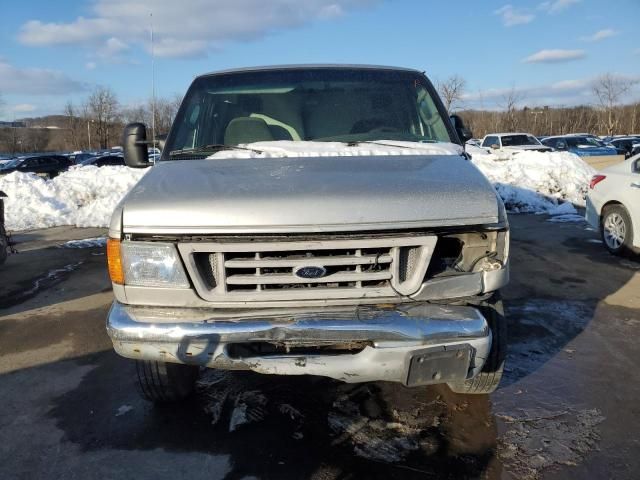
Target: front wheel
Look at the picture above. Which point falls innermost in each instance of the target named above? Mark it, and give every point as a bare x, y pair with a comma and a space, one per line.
4, 245
616, 230
162, 382
489, 377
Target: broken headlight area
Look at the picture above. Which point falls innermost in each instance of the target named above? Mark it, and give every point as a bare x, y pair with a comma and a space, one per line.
463, 253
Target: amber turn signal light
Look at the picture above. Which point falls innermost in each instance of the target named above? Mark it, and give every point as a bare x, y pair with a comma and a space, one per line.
114, 260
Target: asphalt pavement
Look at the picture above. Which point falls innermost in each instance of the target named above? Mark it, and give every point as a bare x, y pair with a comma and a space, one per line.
567, 406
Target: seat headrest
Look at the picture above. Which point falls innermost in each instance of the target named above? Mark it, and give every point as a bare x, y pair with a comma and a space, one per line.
247, 130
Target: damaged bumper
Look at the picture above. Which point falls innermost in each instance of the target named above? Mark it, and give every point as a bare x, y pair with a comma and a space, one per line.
414, 344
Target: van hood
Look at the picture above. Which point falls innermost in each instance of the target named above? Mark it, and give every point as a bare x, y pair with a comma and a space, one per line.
309, 194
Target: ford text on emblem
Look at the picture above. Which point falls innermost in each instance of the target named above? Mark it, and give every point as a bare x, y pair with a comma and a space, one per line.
311, 271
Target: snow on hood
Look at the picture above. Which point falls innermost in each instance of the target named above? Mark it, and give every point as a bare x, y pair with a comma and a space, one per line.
288, 148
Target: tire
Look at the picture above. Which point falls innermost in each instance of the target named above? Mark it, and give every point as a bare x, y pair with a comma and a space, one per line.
162, 382
616, 230
488, 379
4, 245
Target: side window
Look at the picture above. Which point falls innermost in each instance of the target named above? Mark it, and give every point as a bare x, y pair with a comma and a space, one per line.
490, 141
31, 163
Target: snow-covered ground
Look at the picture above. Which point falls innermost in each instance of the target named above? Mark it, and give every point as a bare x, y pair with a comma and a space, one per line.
86, 196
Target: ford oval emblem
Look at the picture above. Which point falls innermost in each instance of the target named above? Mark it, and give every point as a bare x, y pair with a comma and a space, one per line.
310, 272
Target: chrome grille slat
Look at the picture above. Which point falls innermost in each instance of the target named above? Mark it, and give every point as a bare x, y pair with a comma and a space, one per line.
273, 279
266, 262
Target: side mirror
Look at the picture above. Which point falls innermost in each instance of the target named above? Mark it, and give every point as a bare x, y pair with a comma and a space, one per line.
495, 146
463, 132
134, 144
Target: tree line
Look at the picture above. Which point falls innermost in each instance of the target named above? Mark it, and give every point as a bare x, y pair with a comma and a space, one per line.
607, 116
94, 124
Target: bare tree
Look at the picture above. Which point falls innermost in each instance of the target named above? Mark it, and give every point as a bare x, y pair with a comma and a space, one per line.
102, 108
510, 101
452, 91
610, 89
74, 124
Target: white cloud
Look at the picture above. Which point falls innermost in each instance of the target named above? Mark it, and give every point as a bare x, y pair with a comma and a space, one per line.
555, 56
90, 65
557, 6
23, 108
36, 81
511, 16
185, 28
600, 35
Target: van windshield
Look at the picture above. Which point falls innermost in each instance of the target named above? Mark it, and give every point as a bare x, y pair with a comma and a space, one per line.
319, 104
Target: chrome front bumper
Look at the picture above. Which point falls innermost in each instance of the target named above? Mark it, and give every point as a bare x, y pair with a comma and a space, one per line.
413, 344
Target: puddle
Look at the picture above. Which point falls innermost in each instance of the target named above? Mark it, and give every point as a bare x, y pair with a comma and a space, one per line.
33, 287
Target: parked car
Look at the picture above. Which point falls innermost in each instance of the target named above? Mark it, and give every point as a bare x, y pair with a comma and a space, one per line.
47, 166
4, 241
79, 157
629, 146
104, 160
513, 142
613, 206
590, 149
359, 268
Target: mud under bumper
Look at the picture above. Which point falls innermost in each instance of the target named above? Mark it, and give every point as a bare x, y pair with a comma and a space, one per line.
414, 344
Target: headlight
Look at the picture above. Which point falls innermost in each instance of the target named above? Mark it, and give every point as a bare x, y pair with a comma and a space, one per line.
150, 264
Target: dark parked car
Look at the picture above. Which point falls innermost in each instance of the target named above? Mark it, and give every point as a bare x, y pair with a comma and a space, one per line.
628, 145
4, 242
104, 160
47, 166
79, 158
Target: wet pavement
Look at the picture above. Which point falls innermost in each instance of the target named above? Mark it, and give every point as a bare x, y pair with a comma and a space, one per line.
567, 406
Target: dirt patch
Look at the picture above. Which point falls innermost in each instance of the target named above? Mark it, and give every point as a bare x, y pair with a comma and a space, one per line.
538, 440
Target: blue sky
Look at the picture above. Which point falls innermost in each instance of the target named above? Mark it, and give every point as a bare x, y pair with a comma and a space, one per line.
548, 51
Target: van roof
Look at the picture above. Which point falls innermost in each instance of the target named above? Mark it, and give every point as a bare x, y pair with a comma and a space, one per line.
309, 67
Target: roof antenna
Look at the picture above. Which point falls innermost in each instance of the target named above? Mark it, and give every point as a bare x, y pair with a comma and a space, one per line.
153, 92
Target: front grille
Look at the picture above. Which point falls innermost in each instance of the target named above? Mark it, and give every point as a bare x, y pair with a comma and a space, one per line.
308, 270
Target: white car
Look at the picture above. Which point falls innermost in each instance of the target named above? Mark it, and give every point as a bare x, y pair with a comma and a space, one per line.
513, 142
613, 206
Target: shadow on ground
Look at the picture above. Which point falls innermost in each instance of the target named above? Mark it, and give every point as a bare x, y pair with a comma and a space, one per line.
291, 427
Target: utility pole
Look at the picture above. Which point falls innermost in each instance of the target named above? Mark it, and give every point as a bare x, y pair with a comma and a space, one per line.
89, 134
153, 92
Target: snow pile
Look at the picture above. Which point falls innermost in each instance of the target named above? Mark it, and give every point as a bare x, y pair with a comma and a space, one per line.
537, 181
82, 196
86, 196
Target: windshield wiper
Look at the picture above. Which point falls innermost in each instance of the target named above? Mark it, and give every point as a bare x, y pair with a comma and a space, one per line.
355, 143
209, 149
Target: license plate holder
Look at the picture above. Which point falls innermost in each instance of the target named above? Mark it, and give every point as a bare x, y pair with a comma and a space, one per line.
438, 365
